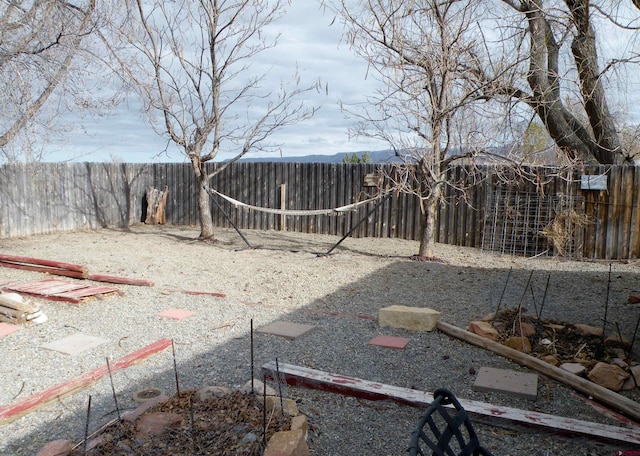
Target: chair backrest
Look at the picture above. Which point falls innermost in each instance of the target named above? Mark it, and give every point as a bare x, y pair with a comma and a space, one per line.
445, 431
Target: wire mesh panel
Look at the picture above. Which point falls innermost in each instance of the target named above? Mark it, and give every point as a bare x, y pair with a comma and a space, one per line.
530, 224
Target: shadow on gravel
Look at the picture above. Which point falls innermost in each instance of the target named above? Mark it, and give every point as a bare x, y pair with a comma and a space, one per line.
339, 344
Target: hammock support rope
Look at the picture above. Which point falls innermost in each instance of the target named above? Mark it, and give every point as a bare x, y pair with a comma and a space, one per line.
335, 211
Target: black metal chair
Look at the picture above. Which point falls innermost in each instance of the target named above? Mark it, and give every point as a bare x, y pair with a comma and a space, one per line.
445, 431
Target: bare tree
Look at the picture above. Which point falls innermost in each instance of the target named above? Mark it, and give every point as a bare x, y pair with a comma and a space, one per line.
194, 70
421, 50
38, 42
551, 51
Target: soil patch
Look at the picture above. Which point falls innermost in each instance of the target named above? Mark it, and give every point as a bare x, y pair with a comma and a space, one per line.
233, 424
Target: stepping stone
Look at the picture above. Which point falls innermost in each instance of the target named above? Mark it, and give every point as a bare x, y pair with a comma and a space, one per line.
74, 345
286, 329
175, 314
6, 329
517, 384
399, 343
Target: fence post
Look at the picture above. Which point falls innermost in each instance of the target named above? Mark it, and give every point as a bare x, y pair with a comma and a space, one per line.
283, 206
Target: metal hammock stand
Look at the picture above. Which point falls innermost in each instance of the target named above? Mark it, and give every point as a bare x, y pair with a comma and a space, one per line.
343, 209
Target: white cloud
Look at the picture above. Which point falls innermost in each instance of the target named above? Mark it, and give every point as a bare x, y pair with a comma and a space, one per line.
308, 42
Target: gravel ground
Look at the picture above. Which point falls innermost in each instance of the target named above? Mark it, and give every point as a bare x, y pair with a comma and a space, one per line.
285, 279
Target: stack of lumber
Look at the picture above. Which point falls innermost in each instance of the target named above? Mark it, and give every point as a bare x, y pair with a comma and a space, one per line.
75, 271
14, 309
47, 266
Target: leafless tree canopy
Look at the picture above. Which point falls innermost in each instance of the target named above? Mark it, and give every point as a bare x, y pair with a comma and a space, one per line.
38, 42
194, 68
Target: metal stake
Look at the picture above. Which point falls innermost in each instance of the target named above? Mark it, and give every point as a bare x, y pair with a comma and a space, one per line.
606, 308
113, 389
86, 428
175, 366
504, 289
252, 387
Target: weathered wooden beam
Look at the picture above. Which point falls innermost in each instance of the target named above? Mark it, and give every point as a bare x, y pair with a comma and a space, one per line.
41, 262
616, 401
121, 280
364, 389
13, 411
43, 269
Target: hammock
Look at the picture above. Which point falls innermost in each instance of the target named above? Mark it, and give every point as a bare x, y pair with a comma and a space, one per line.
348, 208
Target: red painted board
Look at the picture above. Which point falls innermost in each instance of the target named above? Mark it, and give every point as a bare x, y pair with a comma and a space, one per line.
13, 411
121, 280
205, 293
41, 262
351, 386
44, 269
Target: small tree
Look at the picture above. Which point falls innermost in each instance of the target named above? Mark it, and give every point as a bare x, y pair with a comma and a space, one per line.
194, 71
354, 158
421, 50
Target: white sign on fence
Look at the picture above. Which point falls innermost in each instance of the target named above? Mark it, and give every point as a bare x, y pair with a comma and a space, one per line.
593, 182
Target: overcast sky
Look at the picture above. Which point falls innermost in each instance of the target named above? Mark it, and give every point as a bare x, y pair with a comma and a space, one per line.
308, 41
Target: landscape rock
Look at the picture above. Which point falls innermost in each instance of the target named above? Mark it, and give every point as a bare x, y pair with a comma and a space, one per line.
620, 363
405, 317
57, 448
525, 329
156, 423
634, 379
519, 343
259, 388
551, 359
483, 329
608, 376
617, 341
489, 317
586, 330
212, 392
287, 443
274, 403
300, 422
574, 368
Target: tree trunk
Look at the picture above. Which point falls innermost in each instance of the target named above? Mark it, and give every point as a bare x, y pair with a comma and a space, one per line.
608, 148
204, 209
427, 226
204, 206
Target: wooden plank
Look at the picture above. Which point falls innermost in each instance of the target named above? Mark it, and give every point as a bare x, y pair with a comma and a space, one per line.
42, 262
612, 399
48, 287
43, 269
14, 411
364, 389
120, 280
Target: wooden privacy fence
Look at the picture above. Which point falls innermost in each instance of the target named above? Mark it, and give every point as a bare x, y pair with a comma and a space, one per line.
548, 215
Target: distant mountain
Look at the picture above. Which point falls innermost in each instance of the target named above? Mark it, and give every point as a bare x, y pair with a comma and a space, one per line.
380, 156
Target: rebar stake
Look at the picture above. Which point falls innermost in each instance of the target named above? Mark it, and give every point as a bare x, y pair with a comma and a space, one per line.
504, 289
264, 410
524, 293
113, 389
279, 386
544, 296
606, 310
86, 428
175, 367
251, 336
